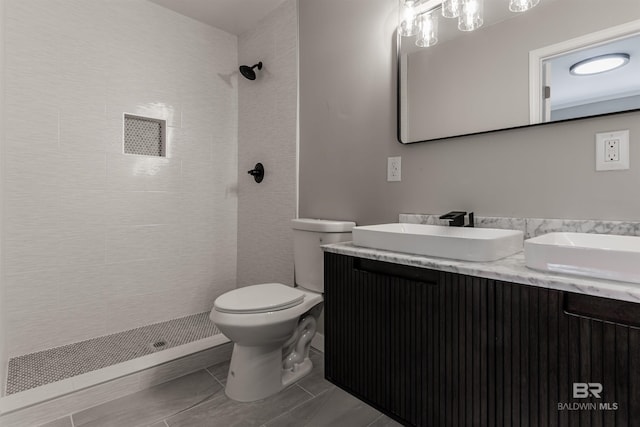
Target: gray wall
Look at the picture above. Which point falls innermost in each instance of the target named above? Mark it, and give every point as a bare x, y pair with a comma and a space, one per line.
348, 126
267, 134
3, 349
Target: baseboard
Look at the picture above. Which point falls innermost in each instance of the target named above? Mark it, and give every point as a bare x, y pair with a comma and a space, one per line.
318, 342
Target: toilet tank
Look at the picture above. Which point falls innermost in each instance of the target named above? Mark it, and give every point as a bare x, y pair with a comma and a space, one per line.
308, 257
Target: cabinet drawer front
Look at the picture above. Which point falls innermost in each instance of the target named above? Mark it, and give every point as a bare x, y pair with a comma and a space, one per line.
407, 272
603, 309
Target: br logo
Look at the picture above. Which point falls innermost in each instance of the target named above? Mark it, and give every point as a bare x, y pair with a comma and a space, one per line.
586, 390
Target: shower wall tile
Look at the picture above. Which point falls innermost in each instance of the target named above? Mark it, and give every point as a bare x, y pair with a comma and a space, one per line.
83, 126
29, 293
141, 242
19, 128
97, 241
61, 208
198, 176
143, 207
198, 207
267, 134
193, 144
142, 173
39, 248
128, 312
28, 333
81, 322
32, 169
79, 286
52, 303
161, 105
199, 238
143, 276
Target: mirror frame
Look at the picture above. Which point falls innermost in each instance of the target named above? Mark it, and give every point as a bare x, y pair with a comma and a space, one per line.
399, 109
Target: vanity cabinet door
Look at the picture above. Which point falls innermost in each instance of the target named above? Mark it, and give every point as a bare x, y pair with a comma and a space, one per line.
599, 343
357, 331
373, 313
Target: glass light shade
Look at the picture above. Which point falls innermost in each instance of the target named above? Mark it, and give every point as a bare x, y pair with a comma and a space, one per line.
427, 30
522, 5
470, 15
408, 22
451, 8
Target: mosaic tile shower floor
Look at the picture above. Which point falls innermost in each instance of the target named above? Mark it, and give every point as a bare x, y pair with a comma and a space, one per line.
48, 366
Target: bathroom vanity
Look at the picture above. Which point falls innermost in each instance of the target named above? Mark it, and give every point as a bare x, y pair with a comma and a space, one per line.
434, 342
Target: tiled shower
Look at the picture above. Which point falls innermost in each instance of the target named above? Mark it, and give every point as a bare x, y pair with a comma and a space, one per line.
96, 241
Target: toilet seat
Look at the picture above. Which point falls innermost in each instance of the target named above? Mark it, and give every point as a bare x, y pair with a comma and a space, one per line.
259, 299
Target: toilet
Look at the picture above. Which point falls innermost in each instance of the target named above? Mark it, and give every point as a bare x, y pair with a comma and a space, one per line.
272, 324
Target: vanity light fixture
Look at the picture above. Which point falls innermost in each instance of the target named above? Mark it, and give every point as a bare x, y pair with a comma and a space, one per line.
418, 16
599, 64
408, 25
470, 15
451, 8
522, 5
427, 29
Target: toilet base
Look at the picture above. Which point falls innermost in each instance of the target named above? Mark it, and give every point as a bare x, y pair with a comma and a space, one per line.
256, 373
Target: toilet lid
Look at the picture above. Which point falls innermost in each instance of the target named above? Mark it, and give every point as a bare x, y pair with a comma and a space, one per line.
259, 299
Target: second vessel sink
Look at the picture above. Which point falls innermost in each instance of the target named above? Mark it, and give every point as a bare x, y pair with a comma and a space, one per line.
603, 256
465, 244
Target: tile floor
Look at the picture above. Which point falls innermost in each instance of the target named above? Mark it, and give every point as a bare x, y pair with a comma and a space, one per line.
198, 400
48, 366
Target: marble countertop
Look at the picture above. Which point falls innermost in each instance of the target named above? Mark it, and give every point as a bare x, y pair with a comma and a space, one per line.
510, 269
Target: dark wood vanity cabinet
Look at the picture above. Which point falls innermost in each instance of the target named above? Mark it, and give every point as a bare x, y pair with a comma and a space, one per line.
431, 348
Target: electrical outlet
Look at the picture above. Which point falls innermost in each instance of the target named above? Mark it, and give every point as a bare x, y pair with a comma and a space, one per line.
612, 150
394, 169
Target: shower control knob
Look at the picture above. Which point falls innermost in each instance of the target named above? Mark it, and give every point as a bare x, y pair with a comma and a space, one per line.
257, 172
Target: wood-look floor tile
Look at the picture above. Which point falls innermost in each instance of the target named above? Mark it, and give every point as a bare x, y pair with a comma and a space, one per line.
314, 382
62, 422
385, 421
333, 408
220, 371
148, 406
228, 413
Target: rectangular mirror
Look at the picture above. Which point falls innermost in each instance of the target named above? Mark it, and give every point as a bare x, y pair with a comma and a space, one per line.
516, 69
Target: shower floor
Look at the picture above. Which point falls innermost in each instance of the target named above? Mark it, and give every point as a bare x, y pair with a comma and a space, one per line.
48, 366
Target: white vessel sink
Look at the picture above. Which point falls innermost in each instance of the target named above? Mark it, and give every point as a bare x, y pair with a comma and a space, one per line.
460, 243
603, 256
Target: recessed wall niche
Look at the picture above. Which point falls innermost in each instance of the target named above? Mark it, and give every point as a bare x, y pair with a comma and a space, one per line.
144, 136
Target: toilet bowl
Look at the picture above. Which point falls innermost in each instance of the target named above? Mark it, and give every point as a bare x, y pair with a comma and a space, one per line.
259, 335
272, 324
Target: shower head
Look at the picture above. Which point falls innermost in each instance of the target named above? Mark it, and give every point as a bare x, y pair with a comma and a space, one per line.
248, 72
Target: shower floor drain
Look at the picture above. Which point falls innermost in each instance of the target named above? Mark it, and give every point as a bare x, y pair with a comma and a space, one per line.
159, 345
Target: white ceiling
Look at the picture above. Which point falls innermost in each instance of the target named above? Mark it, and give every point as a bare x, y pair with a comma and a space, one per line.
232, 16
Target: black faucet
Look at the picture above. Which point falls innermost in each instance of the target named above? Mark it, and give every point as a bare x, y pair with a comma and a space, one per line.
456, 218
